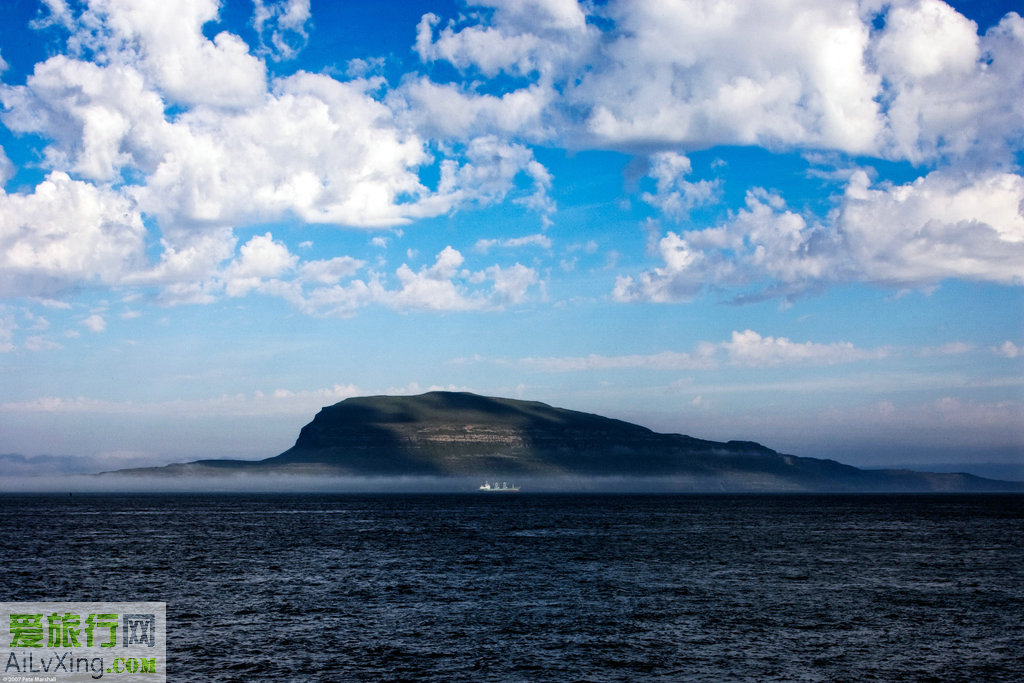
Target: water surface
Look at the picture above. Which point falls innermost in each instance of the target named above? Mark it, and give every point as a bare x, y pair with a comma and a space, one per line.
544, 587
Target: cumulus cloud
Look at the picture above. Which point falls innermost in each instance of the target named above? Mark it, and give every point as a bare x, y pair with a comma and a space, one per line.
239, 148
943, 225
675, 196
673, 75
259, 258
67, 232
341, 286
156, 133
449, 112
511, 285
166, 41
525, 37
668, 74
431, 288
940, 226
950, 91
321, 149
445, 286
491, 172
99, 120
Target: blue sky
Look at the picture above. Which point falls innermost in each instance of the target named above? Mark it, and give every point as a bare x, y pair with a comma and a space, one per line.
799, 223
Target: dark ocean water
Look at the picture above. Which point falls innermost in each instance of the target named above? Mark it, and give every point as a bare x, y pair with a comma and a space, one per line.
526, 587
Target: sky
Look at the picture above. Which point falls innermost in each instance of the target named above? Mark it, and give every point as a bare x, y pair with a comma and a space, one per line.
799, 222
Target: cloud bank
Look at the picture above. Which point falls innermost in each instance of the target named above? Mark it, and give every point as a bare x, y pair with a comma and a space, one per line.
162, 141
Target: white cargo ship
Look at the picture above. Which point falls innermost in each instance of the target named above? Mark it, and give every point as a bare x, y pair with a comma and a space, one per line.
503, 487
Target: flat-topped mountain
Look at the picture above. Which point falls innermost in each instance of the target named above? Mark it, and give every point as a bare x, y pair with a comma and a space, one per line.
456, 434
460, 433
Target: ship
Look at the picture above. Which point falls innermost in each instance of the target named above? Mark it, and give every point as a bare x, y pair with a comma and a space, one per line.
503, 487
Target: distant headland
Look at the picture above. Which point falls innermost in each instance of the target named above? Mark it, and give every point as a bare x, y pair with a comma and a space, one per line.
454, 435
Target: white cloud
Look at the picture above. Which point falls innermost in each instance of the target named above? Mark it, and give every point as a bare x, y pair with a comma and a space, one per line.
447, 111
684, 274
925, 39
751, 349
330, 271
238, 151
261, 257
99, 119
675, 196
165, 40
511, 285
1009, 350
282, 26
95, 323
192, 259
485, 48
58, 14
330, 288
6, 169
315, 147
538, 240
676, 76
747, 348
941, 226
41, 343
527, 36
950, 91
432, 288
445, 286
491, 172
321, 149
336, 301
66, 233
189, 132
684, 74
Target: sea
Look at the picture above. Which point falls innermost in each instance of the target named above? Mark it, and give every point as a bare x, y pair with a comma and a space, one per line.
531, 587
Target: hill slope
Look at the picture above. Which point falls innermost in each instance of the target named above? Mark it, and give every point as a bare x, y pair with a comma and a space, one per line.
453, 434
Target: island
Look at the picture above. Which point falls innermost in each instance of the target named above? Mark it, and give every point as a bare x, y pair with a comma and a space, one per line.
461, 436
